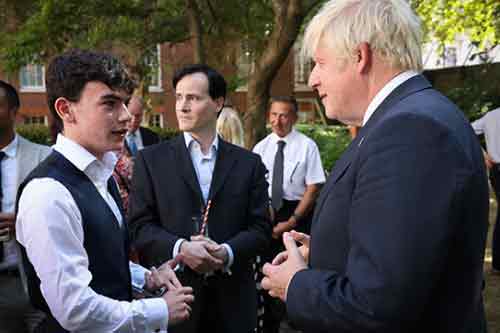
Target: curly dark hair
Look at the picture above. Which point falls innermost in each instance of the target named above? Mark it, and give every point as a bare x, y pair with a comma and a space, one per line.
68, 73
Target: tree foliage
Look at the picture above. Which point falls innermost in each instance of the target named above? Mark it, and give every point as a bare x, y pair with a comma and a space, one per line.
445, 19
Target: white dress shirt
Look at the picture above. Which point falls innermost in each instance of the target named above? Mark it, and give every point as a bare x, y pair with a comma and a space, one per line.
302, 165
9, 188
204, 166
386, 91
489, 125
49, 226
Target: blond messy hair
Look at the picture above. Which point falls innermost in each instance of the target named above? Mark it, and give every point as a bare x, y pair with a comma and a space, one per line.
229, 126
390, 27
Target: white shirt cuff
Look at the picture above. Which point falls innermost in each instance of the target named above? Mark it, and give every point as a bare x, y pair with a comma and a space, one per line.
176, 250
156, 313
230, 258
138, 275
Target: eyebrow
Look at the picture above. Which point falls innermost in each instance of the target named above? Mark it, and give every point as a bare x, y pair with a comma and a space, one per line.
115, 97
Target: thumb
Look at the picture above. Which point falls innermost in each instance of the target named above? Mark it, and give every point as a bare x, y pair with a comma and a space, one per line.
175, 261
290, 245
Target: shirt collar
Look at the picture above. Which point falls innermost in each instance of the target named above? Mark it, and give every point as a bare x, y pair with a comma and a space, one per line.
287, 138
386, 91
11, 149
188, 139
83, 159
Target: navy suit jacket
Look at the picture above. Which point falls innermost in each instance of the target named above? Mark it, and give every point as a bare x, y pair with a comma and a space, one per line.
166, 196
399, 230
148, 136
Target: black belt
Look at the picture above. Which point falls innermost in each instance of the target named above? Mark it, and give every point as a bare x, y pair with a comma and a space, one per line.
14, 272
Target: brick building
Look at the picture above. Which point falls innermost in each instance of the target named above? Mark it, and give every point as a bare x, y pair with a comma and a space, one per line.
291, 79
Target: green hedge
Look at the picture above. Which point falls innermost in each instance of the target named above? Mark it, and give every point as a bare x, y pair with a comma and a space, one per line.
35, 133
331, 141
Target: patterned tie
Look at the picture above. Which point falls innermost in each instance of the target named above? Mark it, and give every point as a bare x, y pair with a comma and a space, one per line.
277, 185
2, 155
131, 144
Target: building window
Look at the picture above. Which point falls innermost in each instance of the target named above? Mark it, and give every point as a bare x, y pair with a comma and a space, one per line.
156, 120
154, 60
246, 64
303, 68
450, 56
37, 120
32, 78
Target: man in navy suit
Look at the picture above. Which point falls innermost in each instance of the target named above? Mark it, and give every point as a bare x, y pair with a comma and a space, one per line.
398, 234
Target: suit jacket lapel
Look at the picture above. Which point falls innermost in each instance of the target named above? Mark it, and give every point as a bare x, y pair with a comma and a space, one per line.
411, 86
223, 165
186, 166
25, 160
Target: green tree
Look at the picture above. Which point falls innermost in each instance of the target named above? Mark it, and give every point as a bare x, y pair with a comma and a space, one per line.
478, 19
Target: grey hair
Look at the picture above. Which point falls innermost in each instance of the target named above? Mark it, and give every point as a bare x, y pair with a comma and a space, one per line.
390, 27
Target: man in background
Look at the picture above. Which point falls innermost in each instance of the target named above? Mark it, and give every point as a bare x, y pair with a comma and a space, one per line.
138, 137
295, 173
489, 126
18, 157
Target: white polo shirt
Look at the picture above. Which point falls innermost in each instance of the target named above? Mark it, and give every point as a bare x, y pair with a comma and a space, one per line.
302, 164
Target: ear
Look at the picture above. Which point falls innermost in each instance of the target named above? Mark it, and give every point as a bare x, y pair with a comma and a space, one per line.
364, 58
220, 103
64, 110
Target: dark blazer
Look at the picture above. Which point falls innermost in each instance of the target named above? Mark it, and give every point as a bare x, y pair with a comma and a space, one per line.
148, 136
166, 196
398, 234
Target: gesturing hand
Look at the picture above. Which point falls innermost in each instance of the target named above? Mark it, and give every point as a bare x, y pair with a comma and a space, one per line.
178, 303
278, 276
164, 276
196, 255
304, 249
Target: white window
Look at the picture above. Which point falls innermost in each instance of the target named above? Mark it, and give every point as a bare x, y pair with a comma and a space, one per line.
36, 120
302, 69
154, 60
32, 78
450, 56
246, 65
156, 120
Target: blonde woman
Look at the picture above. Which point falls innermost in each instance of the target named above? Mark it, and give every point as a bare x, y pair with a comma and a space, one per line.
229, 126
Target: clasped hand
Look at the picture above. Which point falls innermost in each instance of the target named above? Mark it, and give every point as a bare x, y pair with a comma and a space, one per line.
203, 255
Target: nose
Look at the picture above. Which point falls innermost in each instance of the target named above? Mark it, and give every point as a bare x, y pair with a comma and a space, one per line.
313, 81
182, 104
125, 115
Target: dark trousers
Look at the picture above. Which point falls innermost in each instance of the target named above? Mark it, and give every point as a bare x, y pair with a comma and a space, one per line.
495, 246
16, 313
274, 308
210, 313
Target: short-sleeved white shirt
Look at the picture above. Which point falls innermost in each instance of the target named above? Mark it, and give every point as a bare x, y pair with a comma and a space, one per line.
302, 164
489, 125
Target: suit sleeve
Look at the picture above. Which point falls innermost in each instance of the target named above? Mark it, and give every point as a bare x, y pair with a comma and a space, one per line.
249, 242
153, 242
409, 181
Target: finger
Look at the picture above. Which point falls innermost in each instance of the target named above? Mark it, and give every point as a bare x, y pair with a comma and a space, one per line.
300, 237
189, 299
266, 283
280, 258
172, 263
290, 244
268, 269
212, 247
197, 238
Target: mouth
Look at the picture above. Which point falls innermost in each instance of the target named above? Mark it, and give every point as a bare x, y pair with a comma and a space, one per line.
120, 132
322, 96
